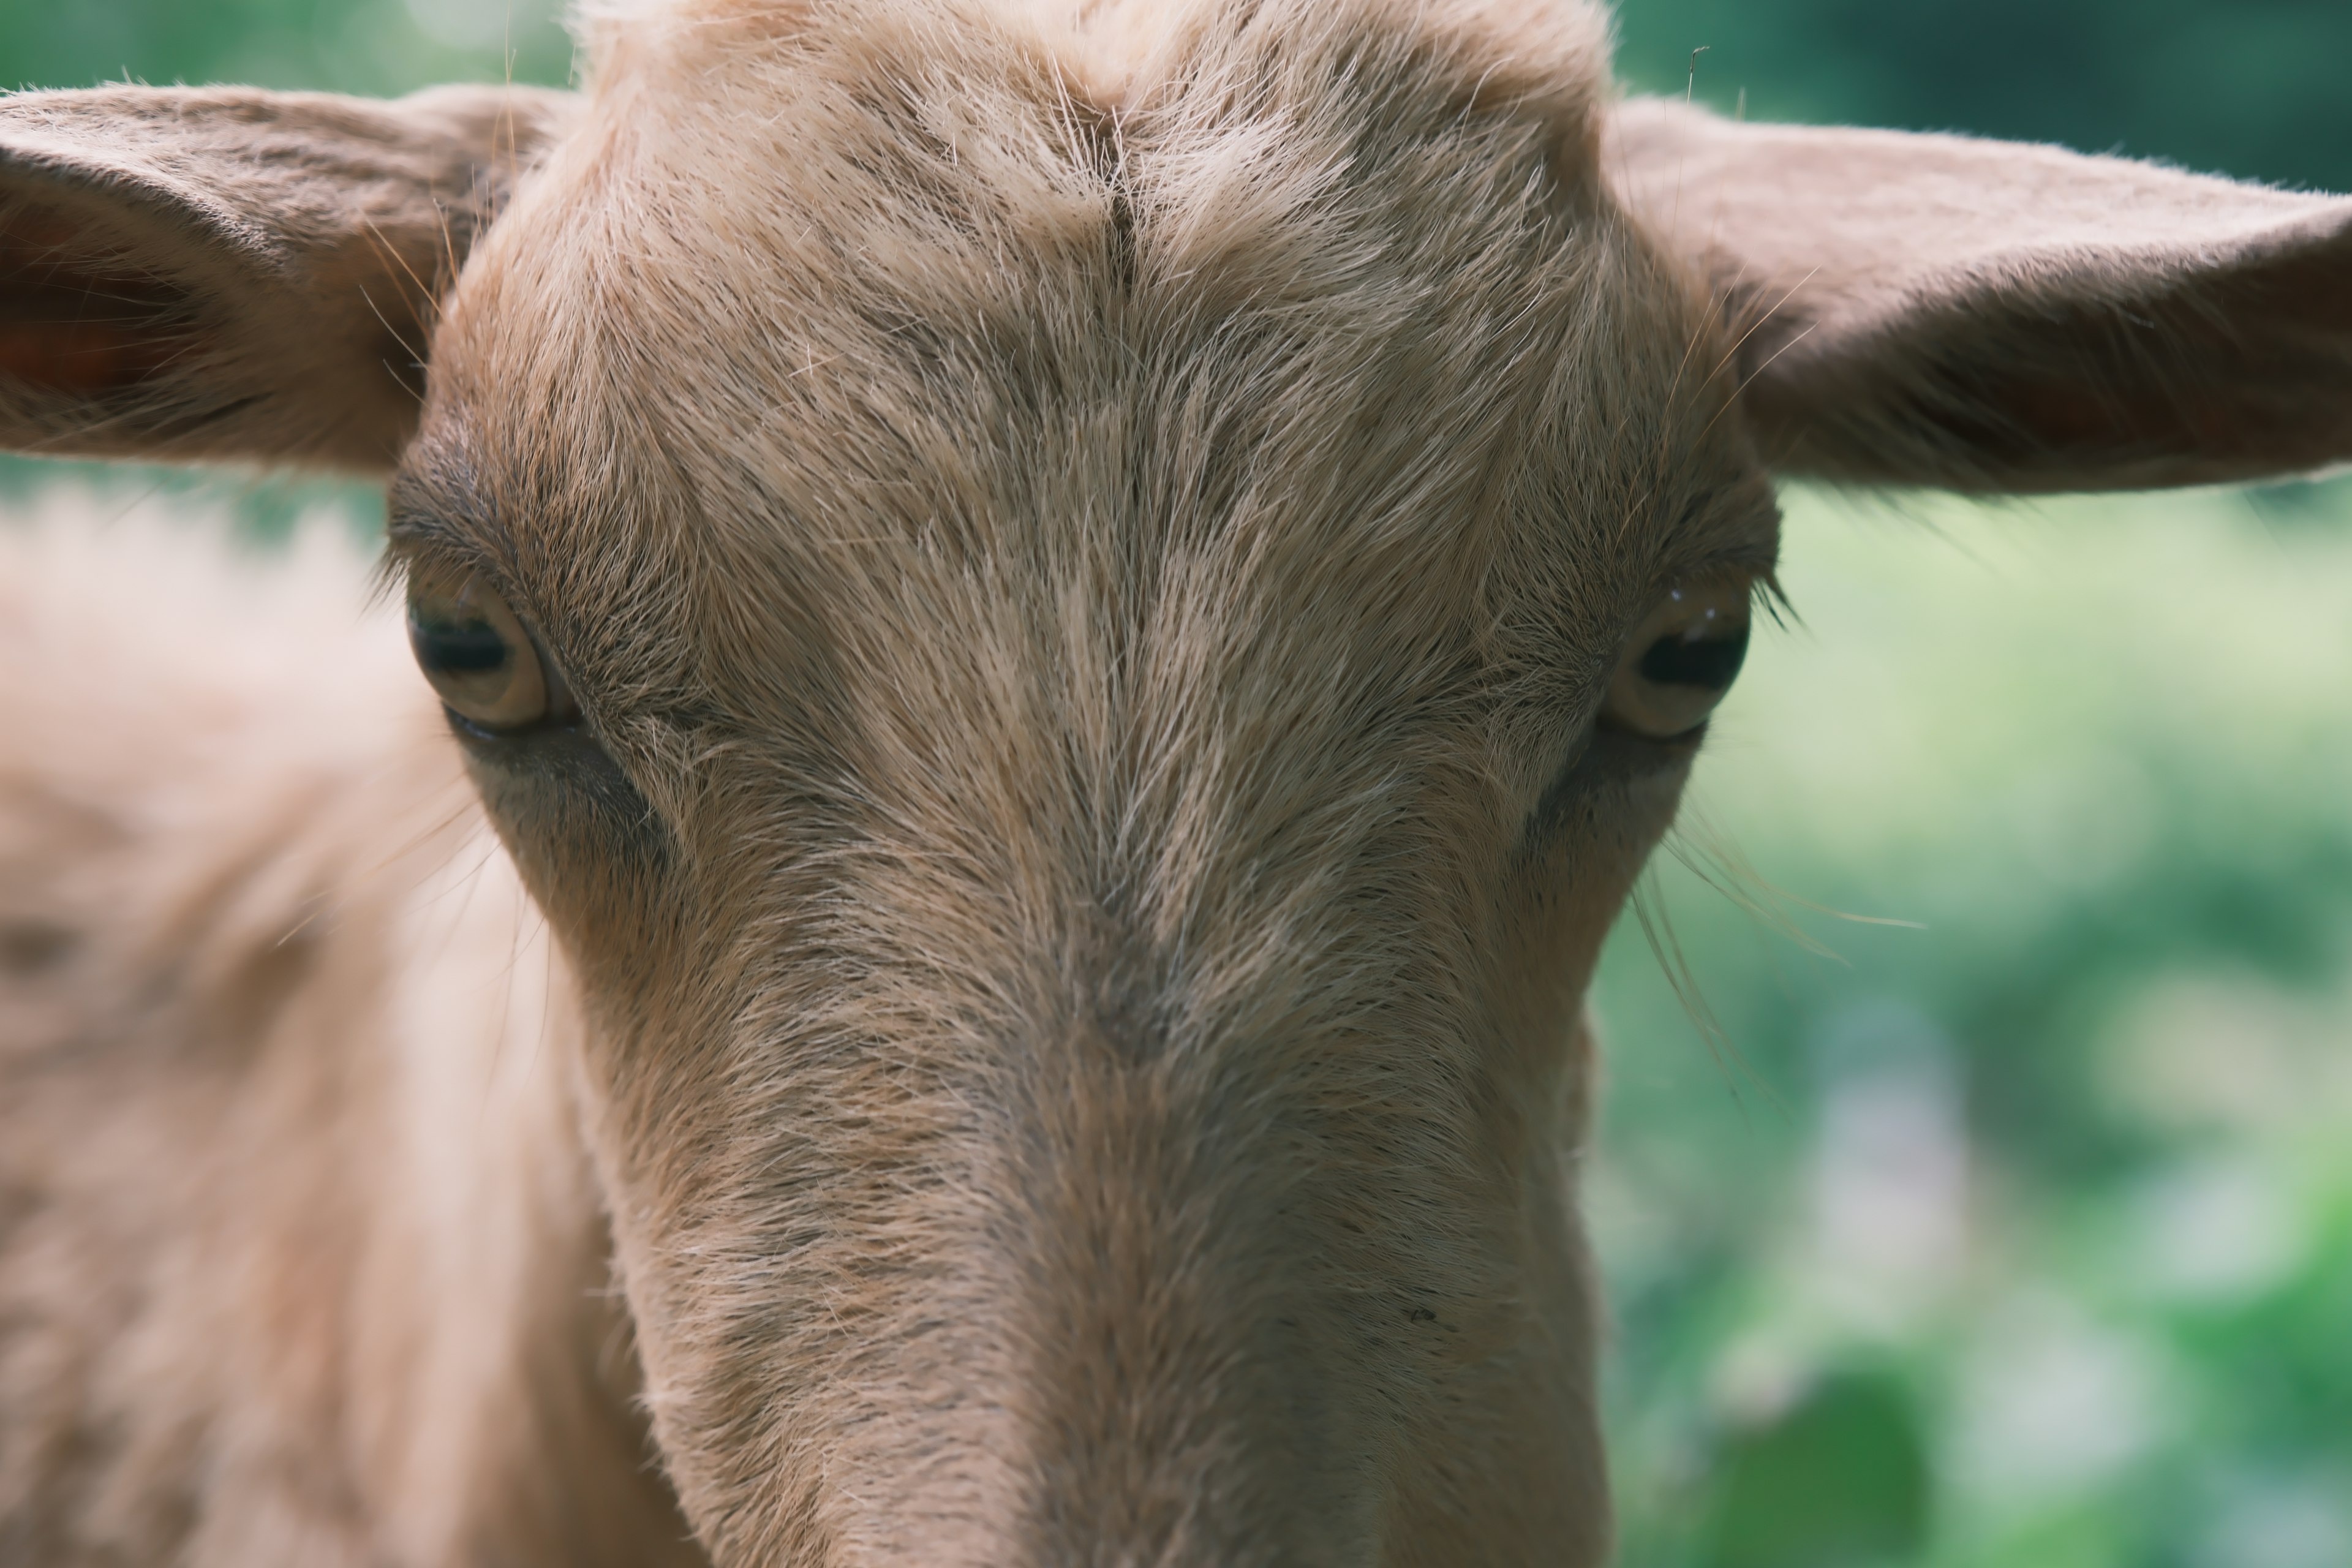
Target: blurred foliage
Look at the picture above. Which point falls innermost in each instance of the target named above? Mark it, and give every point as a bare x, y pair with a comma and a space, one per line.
344, 45
2250, 88
2010, 1221
266, 506
1838, 1479
2052, 1183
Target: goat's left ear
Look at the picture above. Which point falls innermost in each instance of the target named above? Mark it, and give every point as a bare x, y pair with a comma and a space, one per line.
222, 273
1933, 309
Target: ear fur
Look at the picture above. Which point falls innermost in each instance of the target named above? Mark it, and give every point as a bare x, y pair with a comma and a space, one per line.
1934, 310
224, 273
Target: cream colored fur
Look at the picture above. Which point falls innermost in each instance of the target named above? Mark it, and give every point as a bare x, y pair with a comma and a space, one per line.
1088, 549
299, 1260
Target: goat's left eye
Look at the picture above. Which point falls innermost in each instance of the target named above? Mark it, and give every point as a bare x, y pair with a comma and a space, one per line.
1680, 661
474, 651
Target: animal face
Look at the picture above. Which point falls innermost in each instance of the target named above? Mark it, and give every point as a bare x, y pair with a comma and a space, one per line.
1080, 626
1085, 762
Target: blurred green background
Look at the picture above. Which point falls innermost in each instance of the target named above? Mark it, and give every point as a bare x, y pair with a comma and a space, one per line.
1992, 1202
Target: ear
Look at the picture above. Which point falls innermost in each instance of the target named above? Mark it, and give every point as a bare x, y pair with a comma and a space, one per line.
1932, 309
209, 273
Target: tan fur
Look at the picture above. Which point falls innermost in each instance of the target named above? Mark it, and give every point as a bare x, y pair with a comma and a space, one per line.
1088, 550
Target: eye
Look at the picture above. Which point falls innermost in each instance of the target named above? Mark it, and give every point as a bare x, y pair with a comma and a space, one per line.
1680, 661
476, 653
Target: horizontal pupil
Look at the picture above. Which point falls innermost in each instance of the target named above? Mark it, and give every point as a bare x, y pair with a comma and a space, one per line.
459, 648
1679, 661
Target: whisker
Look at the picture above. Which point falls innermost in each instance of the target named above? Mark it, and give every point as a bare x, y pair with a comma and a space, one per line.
1656, 920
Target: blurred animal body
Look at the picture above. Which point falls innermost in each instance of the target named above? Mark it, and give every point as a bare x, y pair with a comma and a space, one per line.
1050, 638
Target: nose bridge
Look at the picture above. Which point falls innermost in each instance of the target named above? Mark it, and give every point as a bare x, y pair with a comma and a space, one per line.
1143, 1095
1172, 1402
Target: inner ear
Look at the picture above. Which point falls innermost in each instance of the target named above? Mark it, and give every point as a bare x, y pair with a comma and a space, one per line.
79, 318
207, 273
2248, 363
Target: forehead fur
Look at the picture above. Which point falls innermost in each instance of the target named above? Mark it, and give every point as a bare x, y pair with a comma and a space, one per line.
871, 302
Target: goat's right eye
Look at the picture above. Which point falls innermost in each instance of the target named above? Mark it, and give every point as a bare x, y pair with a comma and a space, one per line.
474, 651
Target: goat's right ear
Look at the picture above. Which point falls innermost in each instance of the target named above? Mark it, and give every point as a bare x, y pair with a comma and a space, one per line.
210, 273
1935, 309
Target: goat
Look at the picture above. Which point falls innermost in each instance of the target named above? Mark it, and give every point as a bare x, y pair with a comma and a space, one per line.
1076, 620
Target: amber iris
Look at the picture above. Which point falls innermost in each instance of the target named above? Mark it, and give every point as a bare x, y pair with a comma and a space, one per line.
1680, 661
474, 651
